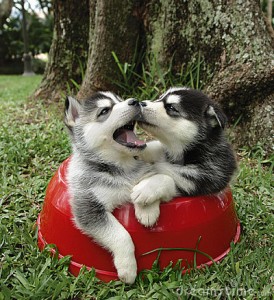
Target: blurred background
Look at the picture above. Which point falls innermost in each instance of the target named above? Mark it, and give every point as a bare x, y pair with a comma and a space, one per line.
39, 29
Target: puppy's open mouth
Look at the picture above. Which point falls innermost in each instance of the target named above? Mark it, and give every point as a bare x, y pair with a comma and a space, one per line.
125, 136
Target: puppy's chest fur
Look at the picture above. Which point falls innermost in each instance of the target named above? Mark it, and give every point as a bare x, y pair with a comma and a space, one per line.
109, 184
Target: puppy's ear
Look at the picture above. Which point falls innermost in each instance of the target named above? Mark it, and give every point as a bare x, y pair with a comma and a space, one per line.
72, 111
216, 117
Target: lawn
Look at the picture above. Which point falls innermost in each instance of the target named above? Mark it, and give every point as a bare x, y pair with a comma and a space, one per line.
33, 143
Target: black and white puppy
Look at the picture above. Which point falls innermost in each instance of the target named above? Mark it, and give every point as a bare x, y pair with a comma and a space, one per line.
103, 171
192, 147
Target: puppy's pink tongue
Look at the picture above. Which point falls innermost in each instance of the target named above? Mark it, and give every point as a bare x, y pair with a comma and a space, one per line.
128, 138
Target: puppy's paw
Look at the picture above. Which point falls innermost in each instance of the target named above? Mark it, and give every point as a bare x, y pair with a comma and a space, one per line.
144, 194
155, 188
147, 215
127, 274
126, 268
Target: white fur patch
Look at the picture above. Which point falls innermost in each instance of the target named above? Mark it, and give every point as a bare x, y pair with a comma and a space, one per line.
118, 197
178, 175
154, 152
185, 130
94, 134
176, 133
104, 103
147, 215
172, 90
212, 113
173, 99
175, 89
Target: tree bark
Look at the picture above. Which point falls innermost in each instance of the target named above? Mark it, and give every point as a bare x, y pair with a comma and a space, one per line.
117, 29
269, 10
236, 45
68, 53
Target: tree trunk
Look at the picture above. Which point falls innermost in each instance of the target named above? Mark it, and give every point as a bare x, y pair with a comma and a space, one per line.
68, 53
117, 29
269, 10
5, 10
231, 37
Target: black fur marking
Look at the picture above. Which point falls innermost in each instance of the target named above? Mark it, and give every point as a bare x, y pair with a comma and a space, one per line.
105, 168
89, 212
66, 104
89, 104
215, 165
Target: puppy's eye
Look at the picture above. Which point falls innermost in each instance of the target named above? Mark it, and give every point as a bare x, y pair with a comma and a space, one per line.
170, 107
104, 111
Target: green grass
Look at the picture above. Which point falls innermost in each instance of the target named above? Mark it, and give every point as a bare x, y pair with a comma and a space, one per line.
17, 88
152, 80
33, 143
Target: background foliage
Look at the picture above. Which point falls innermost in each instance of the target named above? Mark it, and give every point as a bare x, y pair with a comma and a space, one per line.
12, 48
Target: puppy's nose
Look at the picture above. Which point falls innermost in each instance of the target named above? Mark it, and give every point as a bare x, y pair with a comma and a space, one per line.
133, 102
143, 103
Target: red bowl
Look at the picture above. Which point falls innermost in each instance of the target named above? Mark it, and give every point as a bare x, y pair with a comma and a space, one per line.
202, 227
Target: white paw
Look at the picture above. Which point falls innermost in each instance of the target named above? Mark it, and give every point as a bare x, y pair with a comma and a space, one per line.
155, 188
126, 268
147, 215
143, 194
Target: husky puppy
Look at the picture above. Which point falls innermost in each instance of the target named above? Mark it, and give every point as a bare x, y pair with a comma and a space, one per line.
103, 170
192, 147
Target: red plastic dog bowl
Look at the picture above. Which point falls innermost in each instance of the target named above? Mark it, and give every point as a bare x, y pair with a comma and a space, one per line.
200, 228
